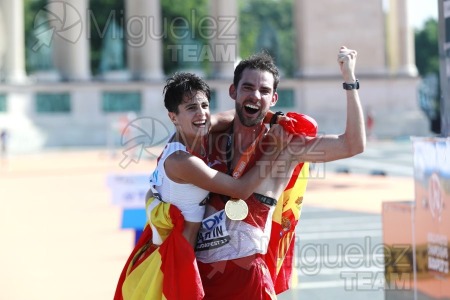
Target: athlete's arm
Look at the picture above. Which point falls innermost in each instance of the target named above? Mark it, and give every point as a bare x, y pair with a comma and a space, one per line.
187, 168
324, 148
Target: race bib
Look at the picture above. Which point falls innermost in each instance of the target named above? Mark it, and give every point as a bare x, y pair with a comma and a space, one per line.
213, 232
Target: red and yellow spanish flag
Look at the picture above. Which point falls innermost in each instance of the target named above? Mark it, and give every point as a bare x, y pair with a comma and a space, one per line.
168, 271
280, 254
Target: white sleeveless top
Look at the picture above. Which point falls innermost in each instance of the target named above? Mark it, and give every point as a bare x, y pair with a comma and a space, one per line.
187, 197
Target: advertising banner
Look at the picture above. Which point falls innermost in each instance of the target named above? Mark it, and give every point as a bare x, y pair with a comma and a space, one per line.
416, 233
432, 216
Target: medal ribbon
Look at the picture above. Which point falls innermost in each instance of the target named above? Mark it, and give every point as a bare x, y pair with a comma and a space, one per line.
245, 157
237, 209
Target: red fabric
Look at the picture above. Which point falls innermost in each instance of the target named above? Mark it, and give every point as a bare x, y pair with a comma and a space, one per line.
178, 262
257, 212
283, 280
294, 176
272, 251
179, 266
281, 243
219, 163
300, 124
248, 277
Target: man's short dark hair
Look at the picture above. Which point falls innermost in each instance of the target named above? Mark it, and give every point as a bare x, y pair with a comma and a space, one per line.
183, 84
259, 61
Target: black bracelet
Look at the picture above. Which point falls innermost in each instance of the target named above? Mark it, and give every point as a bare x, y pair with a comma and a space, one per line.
274, 118
351, 86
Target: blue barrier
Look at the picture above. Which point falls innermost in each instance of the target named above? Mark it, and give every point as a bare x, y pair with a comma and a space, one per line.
134, 219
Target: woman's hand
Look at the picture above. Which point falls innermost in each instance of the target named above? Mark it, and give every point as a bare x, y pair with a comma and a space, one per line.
278, 137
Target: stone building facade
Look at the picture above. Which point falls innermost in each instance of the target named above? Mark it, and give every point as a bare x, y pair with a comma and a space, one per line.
68, 107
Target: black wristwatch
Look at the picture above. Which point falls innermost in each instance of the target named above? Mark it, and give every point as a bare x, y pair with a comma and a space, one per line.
351, 86
274, 118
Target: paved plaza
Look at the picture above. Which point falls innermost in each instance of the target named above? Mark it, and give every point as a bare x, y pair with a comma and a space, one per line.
61, 236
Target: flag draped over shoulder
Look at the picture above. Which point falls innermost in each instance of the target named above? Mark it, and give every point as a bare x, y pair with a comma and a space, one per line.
168, 271
280, 254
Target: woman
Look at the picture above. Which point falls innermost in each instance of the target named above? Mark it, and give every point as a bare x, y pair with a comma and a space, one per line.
163, 264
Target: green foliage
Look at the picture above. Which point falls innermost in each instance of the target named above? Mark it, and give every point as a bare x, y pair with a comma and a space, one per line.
176, 15
31, 8
427, 62
427, 49
101, 14
257, 18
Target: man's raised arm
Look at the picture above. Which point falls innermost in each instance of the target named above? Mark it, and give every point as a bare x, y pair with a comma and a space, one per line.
324, 148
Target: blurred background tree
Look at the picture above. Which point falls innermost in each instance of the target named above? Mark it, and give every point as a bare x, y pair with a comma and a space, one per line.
31, 9
264, 25
426, 46
427, 62
268, 25
102, 15
174, 13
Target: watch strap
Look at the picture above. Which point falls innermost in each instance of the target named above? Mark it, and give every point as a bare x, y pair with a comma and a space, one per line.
274, 118
351, 86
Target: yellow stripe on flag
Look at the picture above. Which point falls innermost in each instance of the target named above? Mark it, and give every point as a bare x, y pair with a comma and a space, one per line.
145, 283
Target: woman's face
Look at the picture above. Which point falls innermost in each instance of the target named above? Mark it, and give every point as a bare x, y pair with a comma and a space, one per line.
193, 119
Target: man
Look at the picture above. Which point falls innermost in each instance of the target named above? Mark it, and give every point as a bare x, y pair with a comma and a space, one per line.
231, 253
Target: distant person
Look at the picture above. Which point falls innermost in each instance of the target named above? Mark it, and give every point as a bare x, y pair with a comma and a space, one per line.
370, 122
4, 142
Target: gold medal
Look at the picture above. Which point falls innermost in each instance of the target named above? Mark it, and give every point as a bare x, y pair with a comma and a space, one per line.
236, 209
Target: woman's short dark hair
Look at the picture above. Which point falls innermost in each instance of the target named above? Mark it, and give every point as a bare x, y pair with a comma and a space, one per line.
183, 84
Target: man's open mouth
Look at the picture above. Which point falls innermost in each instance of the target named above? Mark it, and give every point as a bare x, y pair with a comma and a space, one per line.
251, 109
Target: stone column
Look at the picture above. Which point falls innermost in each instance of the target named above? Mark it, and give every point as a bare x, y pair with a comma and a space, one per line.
321, 27
225, 37
70, 38
392, 33
2, 42
14, 42
401, 54
144, 34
